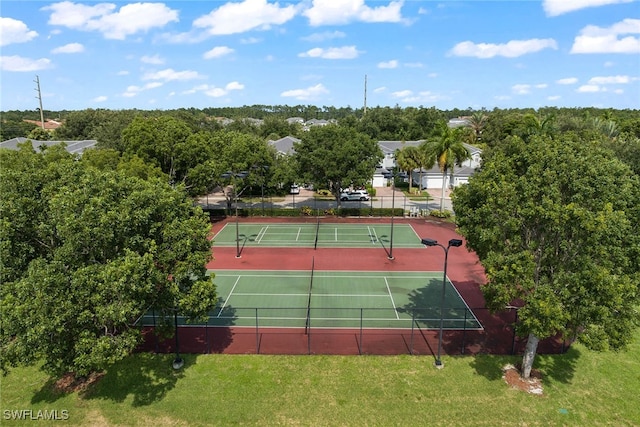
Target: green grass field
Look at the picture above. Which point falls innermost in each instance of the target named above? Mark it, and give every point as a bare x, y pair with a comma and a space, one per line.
581, 388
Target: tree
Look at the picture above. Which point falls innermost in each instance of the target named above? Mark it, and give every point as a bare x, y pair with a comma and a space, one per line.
554, 224
447, 150
408, 159
85, 253
336, 157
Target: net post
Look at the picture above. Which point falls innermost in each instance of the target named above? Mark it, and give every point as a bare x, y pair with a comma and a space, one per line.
257, 334
464, 331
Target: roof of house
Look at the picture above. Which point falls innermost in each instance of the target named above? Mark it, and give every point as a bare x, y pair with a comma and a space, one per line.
74, 147
390, 147
284, 145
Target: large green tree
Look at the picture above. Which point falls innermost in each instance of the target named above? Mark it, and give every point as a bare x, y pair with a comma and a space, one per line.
335, 156
85, 253
554, 223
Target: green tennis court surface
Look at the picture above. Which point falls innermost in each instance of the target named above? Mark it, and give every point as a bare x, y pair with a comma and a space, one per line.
318, 235
337, 299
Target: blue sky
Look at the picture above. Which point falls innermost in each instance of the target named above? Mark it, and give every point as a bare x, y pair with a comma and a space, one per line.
446, 54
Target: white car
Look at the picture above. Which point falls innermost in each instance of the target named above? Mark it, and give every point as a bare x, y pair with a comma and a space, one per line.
359, 195
295, 189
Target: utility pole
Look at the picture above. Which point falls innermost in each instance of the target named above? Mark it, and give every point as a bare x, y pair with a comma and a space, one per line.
37, 81
365, 94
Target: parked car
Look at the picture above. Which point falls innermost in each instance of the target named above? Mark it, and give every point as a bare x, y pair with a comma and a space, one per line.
295, 189
360, 195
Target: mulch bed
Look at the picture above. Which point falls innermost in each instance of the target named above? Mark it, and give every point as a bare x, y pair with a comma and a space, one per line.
532, 385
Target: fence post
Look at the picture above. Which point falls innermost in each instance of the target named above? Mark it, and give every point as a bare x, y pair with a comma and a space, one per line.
360, 344
464, 331
413, 321
513, 340
257, 334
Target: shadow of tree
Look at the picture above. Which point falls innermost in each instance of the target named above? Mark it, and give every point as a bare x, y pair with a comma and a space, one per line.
557, 367
144, 376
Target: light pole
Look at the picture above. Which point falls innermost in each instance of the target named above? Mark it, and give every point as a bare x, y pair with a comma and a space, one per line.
393, 200
242, 175
454, 243
178, 362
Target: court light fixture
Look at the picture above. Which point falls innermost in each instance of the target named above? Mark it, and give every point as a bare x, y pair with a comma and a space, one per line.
454, 243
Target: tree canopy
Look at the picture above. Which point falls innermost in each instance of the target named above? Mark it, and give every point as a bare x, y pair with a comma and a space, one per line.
336, 156
554, 223
85, 253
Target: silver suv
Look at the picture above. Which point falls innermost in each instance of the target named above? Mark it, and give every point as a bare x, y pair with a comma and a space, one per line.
360, 195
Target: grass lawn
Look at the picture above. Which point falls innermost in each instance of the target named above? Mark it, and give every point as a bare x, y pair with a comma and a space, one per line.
581, 388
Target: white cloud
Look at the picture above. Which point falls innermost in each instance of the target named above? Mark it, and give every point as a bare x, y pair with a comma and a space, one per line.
100, 99
402, 93
217, 52
155, 59
413, 64
553, 98
559, 7
306, 94
541, 86
345, 52
521, 89
134, 90
14, 31
594, 39
327, 35
250, 40
408, 96
169, 74
389, 64
19, 63
69, 48
610, 80
567, 81
215, 91
380, 89
338, 12
590, 89
233, 18
511, 49
122, 73
113, 24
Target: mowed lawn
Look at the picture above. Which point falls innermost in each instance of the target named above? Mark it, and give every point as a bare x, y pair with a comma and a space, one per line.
581, 388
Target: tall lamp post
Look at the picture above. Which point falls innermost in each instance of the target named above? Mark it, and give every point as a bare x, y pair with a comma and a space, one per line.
235, 176
454, 243
178, 362
393, 208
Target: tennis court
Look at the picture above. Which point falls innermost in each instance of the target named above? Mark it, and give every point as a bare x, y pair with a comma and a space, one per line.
337, 299
320, 234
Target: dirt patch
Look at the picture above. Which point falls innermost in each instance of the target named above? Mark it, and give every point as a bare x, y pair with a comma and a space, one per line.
69, 383
533, 384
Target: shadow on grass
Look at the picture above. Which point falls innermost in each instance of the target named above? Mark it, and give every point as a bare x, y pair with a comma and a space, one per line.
144, 376
556, 367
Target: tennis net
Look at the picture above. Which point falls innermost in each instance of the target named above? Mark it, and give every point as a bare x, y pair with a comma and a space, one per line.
308, 321
315, 245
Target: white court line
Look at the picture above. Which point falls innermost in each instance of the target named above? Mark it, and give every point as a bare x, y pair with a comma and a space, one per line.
260, 234
392, 301
228, 296
263, 234
298, 235
336, 234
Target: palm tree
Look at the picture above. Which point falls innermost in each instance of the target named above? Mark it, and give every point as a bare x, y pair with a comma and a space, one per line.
406, 161
477, 122
447, 150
